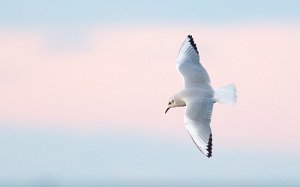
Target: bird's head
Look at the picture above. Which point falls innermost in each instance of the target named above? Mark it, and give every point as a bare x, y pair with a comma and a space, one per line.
171, 104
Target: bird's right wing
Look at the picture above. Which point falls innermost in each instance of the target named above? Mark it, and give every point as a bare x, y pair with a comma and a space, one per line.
188, 65
197, 120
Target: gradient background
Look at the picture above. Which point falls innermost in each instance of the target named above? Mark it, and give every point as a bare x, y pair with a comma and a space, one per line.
84, 86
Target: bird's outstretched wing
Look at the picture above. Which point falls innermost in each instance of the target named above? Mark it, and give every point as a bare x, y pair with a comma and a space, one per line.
189, 66
197, 120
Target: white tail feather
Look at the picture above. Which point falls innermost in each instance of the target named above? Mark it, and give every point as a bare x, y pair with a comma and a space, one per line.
226, 94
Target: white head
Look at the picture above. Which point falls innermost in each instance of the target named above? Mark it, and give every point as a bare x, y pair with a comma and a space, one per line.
171, 104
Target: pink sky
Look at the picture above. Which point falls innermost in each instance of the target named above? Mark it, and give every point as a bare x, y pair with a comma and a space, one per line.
123, 77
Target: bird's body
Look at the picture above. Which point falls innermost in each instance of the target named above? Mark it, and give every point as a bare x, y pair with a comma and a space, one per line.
198, 96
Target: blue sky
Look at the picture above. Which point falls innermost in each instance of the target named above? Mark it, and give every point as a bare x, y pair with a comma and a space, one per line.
73, 158
36, 150
39, 13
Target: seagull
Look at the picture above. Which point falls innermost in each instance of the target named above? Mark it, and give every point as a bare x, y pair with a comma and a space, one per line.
198, 96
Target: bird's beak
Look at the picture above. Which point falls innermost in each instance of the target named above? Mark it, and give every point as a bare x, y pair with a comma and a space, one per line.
167, 110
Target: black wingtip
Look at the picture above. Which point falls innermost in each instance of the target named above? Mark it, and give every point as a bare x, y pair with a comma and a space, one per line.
209, 147
191, 40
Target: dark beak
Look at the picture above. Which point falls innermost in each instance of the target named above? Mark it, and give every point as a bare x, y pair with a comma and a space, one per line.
167, 110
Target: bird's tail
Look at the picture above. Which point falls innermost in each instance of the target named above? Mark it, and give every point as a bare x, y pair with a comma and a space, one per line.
226, 94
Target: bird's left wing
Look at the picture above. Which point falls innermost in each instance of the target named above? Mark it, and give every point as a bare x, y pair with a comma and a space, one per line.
188, 65
197, 120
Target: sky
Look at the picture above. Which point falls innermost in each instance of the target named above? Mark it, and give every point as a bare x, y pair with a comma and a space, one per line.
84, 87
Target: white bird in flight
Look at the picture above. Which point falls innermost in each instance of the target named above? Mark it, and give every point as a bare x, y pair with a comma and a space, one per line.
198, 96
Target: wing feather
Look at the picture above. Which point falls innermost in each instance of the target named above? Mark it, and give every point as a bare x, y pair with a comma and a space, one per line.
197, 120
188, 65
